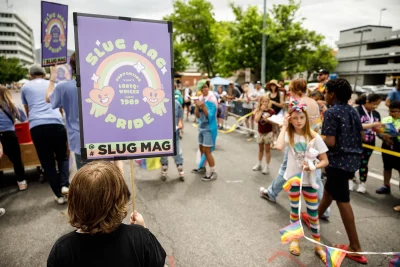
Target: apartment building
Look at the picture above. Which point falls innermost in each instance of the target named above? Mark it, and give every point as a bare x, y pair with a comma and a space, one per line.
373, 50
16, 39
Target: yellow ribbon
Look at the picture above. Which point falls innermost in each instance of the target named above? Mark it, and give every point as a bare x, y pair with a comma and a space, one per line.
396, 154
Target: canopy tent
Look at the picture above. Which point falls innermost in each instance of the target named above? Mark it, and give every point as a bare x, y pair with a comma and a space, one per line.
219, 81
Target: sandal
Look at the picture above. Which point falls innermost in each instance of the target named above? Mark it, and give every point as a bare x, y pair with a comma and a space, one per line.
321, 253
294, 248
360, 259
397, 208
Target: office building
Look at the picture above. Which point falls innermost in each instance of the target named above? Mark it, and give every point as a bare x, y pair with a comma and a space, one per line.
16, 39
371, 51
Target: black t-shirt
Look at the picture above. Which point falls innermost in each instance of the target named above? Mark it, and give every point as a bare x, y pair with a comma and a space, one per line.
128, 245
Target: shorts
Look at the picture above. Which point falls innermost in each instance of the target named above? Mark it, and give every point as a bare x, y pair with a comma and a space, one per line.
205, 138
337, 184
247, 111
390, 162
186, 104
267, 138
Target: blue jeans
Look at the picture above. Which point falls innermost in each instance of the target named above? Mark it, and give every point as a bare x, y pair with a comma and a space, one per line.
179, 156
78, 162
277, 184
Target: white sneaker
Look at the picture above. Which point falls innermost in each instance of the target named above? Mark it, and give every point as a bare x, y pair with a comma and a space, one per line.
60, 200
266, 170
22, 185
181, 173
2, 212
257, 167
362, 188
64, 190
351, 185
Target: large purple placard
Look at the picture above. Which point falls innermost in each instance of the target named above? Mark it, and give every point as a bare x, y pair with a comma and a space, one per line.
54, 27
124, 73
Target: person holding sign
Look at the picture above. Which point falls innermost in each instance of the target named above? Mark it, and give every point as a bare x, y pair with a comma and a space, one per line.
98, 199
178, 158
66, 95
206, 113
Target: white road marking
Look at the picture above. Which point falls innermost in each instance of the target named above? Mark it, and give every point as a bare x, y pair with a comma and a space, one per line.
380, 177
233, 182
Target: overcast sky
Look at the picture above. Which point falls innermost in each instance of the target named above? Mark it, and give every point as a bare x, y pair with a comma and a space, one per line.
327, 17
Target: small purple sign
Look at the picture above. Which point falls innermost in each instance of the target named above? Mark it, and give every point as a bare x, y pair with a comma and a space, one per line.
124, 70
64, 73
54, 27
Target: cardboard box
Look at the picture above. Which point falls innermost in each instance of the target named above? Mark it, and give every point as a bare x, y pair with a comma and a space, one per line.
28, 154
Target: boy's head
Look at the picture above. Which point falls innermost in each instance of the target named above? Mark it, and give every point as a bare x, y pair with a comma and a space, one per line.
394, 109
317, 95
338, 90
98, 198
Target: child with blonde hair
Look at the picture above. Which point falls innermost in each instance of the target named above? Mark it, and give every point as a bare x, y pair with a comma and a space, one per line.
296, 133
265, 132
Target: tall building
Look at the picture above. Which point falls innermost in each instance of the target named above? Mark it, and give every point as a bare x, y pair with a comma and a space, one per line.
16, 39
374, 49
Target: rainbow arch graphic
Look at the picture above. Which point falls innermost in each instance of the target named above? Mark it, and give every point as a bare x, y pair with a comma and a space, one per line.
113, 62
57, 22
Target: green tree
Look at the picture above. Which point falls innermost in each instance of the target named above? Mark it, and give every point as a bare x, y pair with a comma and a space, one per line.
322, 57
288, 43
194, 25
11, 70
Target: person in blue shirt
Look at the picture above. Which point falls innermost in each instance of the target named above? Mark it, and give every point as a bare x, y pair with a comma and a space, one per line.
65, 95
48, 132
179, 156
394, 95
8, 139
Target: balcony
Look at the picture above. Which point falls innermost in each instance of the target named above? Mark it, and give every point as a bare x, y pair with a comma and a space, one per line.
373, 53
343, 69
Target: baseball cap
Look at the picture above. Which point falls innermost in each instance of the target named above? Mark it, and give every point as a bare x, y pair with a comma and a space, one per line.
323, 71
258, 82
37, 70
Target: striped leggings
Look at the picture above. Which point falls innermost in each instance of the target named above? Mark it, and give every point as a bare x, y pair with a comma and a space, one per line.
311, 198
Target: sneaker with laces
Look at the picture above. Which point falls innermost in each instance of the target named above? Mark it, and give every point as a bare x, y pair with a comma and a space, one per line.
64, 190
264, 194
362, 188
60, 200
181, 173
266, 170
22, 185
2, 212
200, 171
257, 167
351, 185
384, 190
164, 170
213, 176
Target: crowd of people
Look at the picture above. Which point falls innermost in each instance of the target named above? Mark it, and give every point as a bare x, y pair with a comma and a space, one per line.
321, 131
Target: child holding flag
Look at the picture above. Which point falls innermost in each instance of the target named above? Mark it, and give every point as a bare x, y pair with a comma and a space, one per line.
296, 133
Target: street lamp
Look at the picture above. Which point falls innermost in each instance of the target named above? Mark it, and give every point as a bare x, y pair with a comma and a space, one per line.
263, 53
380, 17
359, 53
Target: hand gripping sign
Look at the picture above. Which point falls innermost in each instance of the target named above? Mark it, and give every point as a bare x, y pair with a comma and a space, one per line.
124, 76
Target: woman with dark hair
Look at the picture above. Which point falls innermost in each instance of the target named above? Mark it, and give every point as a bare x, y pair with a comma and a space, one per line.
8, 139
370, 119
97, 204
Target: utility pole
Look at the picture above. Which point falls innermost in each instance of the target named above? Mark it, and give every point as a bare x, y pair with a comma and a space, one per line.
263, 54
359, 54
380, 17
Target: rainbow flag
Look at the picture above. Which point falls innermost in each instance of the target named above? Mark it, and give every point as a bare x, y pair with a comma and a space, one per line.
290, 232
334, 257
149, 164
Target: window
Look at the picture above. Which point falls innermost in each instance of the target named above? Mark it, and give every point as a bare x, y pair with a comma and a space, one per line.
4, 15
7, 33
8, 42
2, 24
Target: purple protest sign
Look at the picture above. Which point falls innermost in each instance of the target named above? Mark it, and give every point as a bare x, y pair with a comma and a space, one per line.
64, 73
125, 81
54, 33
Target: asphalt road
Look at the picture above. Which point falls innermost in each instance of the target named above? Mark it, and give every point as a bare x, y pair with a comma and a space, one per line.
221, 223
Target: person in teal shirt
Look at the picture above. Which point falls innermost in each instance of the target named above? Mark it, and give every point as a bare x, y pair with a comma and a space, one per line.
178, 96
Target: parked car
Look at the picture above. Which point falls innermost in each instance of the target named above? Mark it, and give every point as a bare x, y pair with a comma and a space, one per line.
384, 91
381, 90
359, 90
